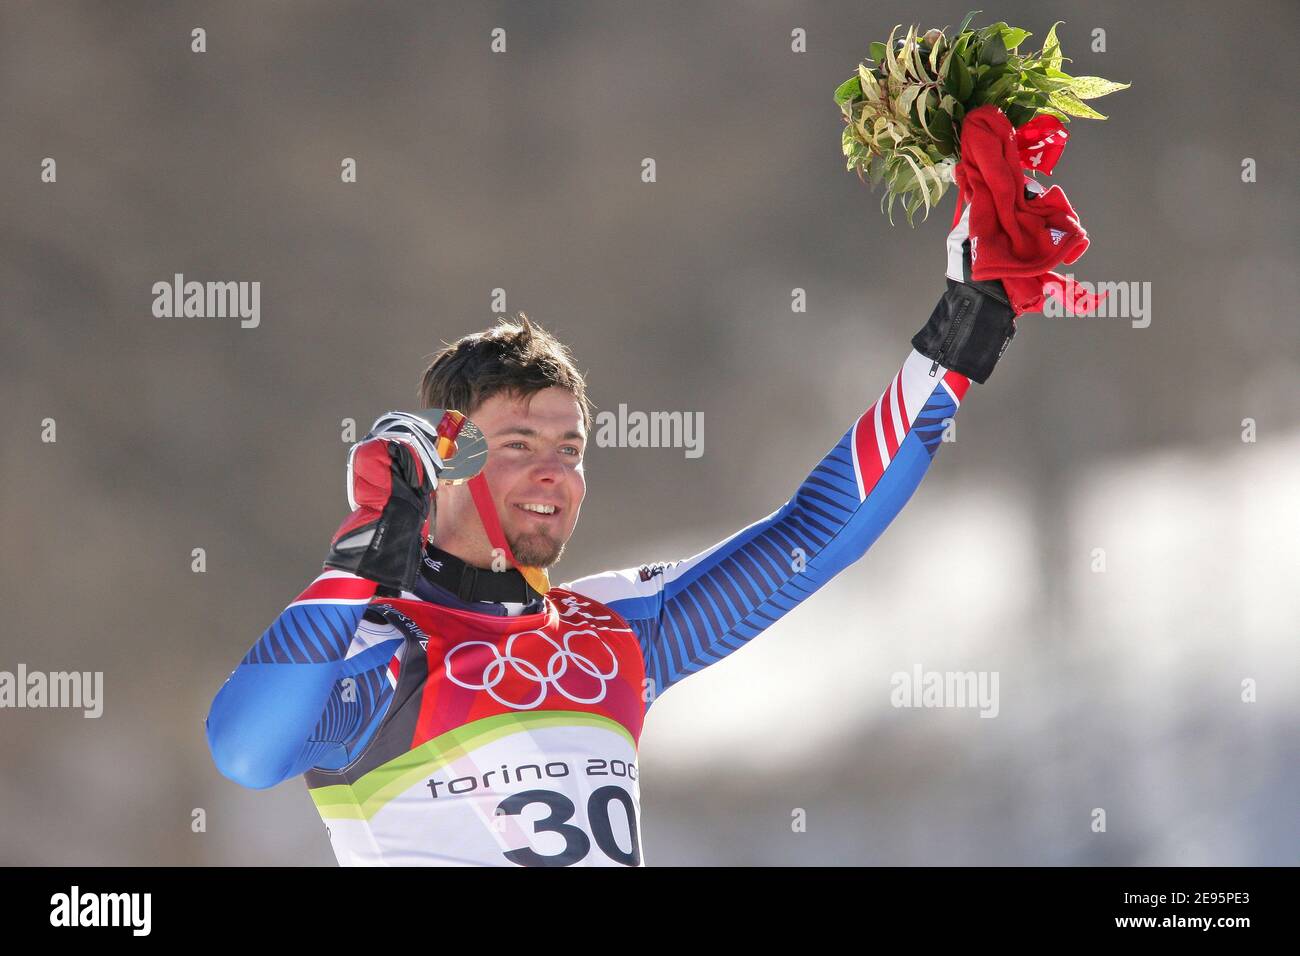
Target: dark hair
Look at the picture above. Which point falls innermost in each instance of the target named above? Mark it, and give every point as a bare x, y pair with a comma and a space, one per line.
516, 357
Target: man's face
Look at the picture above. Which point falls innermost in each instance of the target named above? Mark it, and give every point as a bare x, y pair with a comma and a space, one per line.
535, 449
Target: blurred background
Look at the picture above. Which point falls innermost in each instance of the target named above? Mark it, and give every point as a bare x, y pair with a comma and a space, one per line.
1119, 690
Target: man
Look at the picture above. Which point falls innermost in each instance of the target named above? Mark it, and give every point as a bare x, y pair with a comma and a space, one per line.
445, 704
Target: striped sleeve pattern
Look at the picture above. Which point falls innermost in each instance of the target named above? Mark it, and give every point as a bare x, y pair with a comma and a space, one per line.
691, 613
310, 691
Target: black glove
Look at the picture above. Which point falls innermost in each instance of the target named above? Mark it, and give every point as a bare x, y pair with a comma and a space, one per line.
392, 475
969, 329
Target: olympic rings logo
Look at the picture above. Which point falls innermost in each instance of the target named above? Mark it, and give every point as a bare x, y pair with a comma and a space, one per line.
544, 676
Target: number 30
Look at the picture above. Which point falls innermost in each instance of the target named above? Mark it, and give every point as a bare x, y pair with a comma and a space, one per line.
576, 843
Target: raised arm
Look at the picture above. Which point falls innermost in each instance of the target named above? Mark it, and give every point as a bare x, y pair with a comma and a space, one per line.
690, 613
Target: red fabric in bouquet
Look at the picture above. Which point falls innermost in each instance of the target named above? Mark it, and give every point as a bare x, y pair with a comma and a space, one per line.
1012, 238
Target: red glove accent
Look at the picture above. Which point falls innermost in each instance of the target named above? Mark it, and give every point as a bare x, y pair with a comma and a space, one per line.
372, 474
372, 484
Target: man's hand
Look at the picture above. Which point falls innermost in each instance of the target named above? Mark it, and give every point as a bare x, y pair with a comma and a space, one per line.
392, 476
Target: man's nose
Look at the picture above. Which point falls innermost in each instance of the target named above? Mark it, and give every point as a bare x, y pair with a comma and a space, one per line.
547, 470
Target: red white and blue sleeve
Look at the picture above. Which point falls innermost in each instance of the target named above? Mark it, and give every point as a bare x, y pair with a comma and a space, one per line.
311, 691
691, 613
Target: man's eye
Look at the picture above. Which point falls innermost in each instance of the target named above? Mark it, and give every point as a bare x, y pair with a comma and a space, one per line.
518, 443
576, 452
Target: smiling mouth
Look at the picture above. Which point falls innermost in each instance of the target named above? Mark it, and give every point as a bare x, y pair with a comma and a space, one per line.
539, 510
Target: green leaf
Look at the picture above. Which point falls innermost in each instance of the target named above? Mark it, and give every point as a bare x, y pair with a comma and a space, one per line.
960, 82
898, 177
934, 57
993, 52
876, 171
877, 51
1052, 48
868, 85
945, 63
919, 179
1091, 87
945, 137
1001, 89
966, 22
847, 91
912, 55
895, 70
904, 52
905, 101
992, 30
911, 207
1012, 37
990, 75
923, 106
1020, 115
950, 68
1072, 105
1047, 84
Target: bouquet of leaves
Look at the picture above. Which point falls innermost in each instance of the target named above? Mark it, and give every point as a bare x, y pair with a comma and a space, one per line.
903, 109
